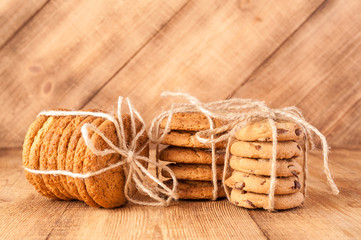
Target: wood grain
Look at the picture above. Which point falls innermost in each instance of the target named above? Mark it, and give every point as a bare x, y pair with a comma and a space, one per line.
68, 52
24, 214
84, 54
206, 50
317, 69
13, 17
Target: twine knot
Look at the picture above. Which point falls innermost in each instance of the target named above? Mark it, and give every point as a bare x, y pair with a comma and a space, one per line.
136, 173
236, 114
130, 157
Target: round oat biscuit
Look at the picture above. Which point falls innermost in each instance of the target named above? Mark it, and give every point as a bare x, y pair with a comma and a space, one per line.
34, 157
107, 189
44, 157
199, 172
191, 155
53, 181
78, 159
187, 189
187, 139
256, 200
191, 121
285, 150
261, 184
66, 150
261, 131
28, 142
284, 167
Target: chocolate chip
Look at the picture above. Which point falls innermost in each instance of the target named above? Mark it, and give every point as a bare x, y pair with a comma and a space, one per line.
263, 182
294, 173
291, 165
297, 185
258, 147
235, 202
281, 131
239, 185
250, 203
298, 146
298, 132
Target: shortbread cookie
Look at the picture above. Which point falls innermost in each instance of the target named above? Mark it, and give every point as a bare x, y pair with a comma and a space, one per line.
191, 121
44, 158
284, 167
187, 139
261, 131
79, 157
261, 184
28, 142
34, 161
191, 155
285, 150
199, 172
255, 200
197, 189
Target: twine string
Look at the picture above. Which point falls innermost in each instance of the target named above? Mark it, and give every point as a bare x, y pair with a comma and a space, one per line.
136, 174
236, 114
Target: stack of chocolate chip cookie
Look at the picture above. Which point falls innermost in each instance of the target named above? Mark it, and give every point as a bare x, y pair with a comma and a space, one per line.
191, 160
250, 161
56, 143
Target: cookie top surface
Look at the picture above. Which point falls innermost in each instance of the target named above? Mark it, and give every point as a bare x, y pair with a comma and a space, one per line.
261, 131
285, 150
284, 168
191, 155
190, 121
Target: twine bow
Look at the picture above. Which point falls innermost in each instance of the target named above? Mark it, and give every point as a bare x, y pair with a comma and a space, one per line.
237, 113
131, 160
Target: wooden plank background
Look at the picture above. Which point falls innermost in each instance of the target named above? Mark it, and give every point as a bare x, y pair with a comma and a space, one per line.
84, 54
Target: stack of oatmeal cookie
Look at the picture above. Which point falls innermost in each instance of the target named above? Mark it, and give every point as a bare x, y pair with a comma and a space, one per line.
250, 161
191, 160
56, 143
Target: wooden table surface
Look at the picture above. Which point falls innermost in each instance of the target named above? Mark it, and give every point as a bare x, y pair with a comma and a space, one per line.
24, 214
84, 54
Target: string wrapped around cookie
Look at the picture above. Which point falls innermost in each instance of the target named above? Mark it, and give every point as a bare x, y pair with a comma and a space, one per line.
100, 163
193, 107
237, 113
